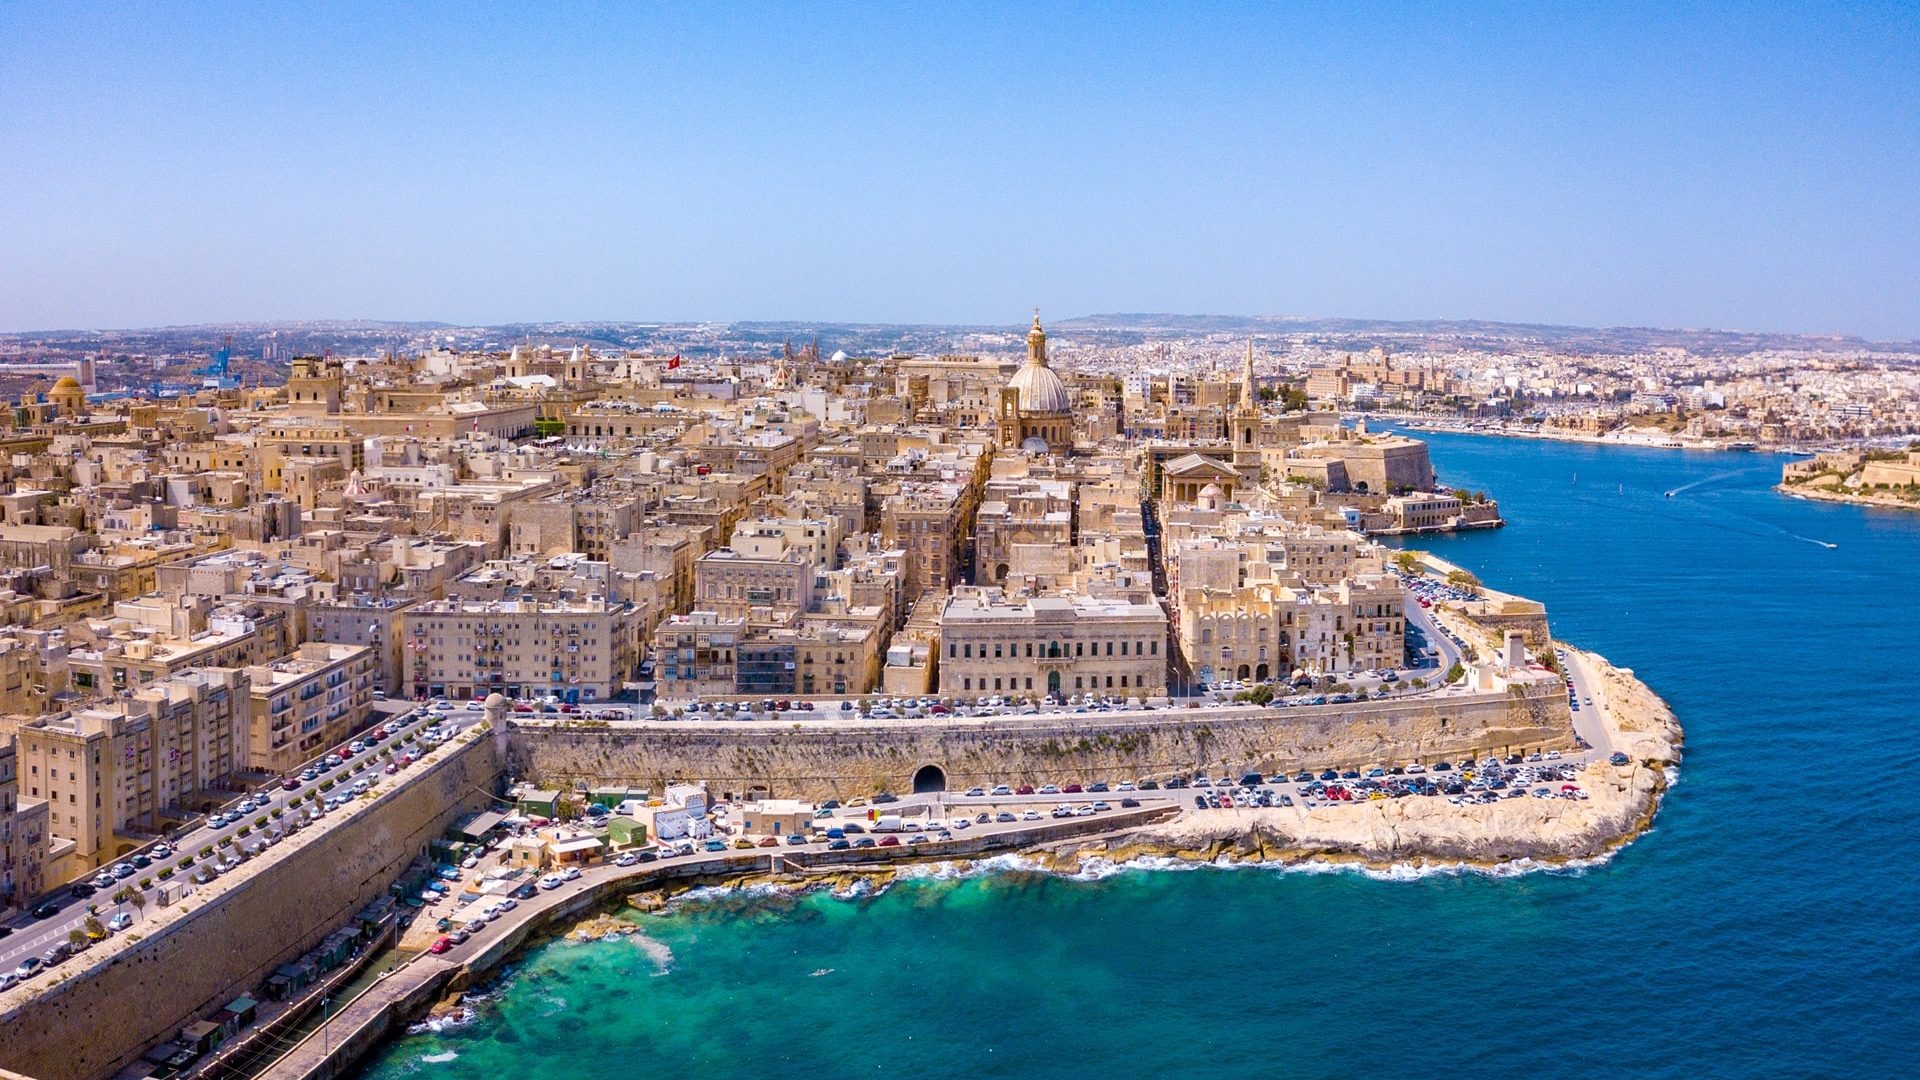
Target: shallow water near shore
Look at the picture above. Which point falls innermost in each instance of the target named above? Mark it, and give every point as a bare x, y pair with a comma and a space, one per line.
1769, 925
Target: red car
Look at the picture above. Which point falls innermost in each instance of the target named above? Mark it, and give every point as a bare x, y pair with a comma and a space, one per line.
343, 753
1070, 789
1023, 789
769, 841
290, 784
440, 945
889, 841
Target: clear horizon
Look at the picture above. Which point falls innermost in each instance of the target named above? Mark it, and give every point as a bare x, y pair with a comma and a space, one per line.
1735, 170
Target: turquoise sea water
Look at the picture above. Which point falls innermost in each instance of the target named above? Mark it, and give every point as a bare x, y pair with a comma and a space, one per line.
1769, 926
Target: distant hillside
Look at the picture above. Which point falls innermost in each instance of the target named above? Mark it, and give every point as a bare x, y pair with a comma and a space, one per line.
1476, 333
765, 338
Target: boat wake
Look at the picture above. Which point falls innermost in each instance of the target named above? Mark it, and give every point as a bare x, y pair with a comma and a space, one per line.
1714, 479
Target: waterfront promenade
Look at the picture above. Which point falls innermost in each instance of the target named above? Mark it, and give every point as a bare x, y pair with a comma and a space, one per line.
360, 1024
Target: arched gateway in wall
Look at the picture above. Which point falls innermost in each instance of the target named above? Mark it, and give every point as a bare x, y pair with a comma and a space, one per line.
930, 778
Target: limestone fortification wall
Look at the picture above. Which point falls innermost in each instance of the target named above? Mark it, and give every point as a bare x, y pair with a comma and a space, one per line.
842, 759
101, 1018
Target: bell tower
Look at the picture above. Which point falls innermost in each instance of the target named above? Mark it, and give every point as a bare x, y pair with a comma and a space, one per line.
1244, 427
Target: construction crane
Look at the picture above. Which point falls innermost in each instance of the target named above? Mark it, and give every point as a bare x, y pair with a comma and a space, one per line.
218, 374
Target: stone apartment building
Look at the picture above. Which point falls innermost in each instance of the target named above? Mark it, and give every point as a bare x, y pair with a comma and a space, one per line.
304, 703
124, 768
154, 638
698, 655
1264, 631
23, 837
929, 522
1019, 512
767, 580
574, 650
375, 621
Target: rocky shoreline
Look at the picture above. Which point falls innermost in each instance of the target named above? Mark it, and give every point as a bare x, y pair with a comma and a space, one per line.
1623, 800
1850, 498
1387, 836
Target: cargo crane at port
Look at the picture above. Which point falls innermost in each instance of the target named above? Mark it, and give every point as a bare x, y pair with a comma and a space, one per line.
218, 374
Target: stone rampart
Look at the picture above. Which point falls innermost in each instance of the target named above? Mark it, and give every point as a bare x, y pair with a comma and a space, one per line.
101, 1017
843, 758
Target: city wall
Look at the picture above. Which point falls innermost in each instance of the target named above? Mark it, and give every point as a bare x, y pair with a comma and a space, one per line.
829, 759
100, 1018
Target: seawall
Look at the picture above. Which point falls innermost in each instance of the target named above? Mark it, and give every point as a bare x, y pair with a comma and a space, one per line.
412, 988
844, 757
117, 1000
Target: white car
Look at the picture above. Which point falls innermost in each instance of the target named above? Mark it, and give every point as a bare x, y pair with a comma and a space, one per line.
119, 922
627, 859
552, 881
572, 873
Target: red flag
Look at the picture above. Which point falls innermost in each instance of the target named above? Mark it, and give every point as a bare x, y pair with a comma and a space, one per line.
673, 363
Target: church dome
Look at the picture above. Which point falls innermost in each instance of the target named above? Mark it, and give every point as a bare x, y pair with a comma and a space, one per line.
67, 382
1041, 391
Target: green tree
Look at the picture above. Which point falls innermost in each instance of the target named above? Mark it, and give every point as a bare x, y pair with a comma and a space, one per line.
1460, 579
1407, 561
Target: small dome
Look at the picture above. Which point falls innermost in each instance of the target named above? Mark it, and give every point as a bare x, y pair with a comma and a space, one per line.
1213, 491
496, 700
67, 382
1041, 391
1034, 444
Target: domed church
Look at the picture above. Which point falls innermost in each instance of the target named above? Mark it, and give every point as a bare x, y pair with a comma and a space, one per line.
1036, 412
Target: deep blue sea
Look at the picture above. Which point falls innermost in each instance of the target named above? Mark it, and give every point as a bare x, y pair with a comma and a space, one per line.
1768, 926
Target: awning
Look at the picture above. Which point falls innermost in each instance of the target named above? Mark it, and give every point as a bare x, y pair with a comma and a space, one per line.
481, 824
578, 843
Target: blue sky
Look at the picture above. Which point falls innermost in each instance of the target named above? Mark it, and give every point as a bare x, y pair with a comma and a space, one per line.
1750, 167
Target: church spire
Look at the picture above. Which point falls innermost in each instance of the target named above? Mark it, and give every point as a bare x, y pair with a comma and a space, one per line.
1037, 342
1249, 400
